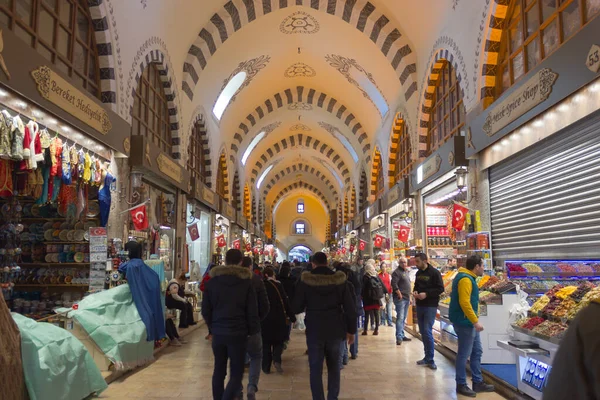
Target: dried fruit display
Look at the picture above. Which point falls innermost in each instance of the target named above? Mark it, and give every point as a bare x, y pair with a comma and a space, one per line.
483, 281
550, 307
565, 292
531, 267
540, 304
491, 282
554, 289
563, 309
564, 267
533, 322
522, 322
581, 291
516, 269
550, 329
502, 287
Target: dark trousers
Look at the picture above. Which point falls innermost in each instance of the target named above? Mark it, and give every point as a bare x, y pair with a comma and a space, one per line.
374, 316
271, 353
171, 330
232, 349
328, 350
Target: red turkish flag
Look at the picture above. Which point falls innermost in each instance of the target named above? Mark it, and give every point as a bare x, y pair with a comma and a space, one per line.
193, 231
248, 247
458, 216
221, 242
256, 250
343, 250
362, 245
139, 217
404, 233
378, 241
236, 244
351, 248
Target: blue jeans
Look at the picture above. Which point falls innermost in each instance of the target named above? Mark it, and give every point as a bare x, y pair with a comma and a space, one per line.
354, 346
232, 349
343, 352
386, 313
255, 351
469, 346
328, 350
401, 313
425, 319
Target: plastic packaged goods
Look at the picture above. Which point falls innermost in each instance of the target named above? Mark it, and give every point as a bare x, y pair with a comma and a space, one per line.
540, 304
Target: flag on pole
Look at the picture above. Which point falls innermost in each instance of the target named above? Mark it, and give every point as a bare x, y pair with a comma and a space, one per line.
404, 233
459, 214
139, 217
193, 231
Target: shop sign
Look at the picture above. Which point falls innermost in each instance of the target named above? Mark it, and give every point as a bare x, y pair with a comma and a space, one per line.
208, 195
227, 209
530, 94
429, 168
392, 197
169, 167
358, 220
60, 92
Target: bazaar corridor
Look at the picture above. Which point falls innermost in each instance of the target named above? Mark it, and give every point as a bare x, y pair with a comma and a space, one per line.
382, 370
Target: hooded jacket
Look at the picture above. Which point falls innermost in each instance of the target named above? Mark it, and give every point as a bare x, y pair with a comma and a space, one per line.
229, 304
329, 302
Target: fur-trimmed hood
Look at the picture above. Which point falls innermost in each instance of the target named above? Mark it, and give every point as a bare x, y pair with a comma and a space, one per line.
231, 270
323, 279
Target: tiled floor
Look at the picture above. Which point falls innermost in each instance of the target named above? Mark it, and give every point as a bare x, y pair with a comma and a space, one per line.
381, 370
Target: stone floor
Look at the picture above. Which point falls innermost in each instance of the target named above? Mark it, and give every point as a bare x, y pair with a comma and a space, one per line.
381, 370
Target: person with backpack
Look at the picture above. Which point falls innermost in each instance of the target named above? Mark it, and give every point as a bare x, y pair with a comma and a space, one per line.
372, 292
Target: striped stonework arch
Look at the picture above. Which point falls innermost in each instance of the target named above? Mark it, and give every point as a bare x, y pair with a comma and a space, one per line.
236, 193
346, 210
361, 14
375, 173
222, 186
106, 49
301, 186
158, 58
340, 214
352, 201
199, 123
491, 51
399, 133
364, 191
300, 168
301, 140
300, 94
247, 203
441, 56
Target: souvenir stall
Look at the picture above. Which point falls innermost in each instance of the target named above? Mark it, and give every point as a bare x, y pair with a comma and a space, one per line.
238, 231
222, 231
379, 236
359, 236
257, 250
156, 182
199, 222
57, 173
542, 162
397, 205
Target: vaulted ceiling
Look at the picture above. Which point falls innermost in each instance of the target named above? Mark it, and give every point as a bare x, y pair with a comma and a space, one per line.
321, 77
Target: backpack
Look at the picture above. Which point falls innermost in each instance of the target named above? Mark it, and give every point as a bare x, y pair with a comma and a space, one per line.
375, 289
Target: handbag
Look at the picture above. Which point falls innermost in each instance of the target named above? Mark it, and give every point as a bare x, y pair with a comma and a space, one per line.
287, 319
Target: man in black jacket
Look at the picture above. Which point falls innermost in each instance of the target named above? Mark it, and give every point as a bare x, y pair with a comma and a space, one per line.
229, 307
353, 278
330, 306
427, 290
255, 344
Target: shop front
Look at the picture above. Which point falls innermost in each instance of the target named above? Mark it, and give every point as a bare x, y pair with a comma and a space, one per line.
157, 185
542, 163
57, 172
397, 206
378, 237
223, 225
202, 209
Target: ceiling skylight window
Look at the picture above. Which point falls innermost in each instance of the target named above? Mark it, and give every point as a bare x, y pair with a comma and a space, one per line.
371, 89
264, 174
346, 144
227, 93
251, 146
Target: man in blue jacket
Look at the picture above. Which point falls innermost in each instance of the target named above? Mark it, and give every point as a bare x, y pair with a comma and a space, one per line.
464, 308
230, 309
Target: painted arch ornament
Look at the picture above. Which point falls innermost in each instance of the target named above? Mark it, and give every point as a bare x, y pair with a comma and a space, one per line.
251, 67
299, 22
300, 70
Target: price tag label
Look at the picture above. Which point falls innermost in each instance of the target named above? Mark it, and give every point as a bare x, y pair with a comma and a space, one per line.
98, 257
593, 59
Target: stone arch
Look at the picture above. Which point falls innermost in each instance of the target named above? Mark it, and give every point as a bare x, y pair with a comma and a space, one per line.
157, 57
300, 167
301, 140
364, 190
298, 186
223, 177
399, 127
376, 165
236, 193
361, 14
107, 46
346, 210
200, 120
352, 201
491, 50
309, 97
435, 65
247, 202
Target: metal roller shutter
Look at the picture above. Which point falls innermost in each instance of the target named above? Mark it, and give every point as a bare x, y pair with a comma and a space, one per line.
545, 201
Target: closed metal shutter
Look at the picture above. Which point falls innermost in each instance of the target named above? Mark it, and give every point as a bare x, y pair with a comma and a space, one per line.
545, 201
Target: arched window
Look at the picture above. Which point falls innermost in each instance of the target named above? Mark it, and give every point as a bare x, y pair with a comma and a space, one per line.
447, 111
403, 161
300, 206
61, 31
227, 93
300, 227
536, 28
150, 115
196, 163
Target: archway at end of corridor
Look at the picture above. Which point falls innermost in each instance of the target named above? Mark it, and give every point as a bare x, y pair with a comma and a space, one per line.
299, 252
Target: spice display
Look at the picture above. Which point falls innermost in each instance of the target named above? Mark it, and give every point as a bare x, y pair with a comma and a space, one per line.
540, 304
564, 307
483, 280
565, 292
581, 291
532, 323
502, 287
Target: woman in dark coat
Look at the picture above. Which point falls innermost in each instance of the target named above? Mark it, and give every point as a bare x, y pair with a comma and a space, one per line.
289, 286
373, 290
276, 325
